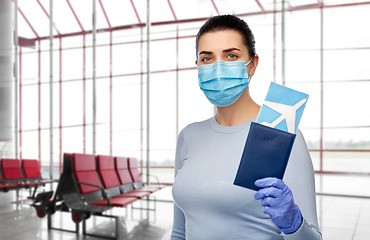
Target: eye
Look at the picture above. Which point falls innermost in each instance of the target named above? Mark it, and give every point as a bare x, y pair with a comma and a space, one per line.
232, 56
206, 59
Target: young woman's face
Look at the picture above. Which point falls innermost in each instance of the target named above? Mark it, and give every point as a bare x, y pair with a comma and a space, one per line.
224, 46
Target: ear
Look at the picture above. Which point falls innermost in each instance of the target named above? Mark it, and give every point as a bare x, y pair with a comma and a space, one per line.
253, 65
196, 62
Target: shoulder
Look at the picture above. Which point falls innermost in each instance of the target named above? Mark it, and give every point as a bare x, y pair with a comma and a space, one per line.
188, 135
300, 143
194, 128
300, 159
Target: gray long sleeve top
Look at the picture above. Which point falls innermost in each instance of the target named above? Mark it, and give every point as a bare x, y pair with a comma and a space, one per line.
207, 204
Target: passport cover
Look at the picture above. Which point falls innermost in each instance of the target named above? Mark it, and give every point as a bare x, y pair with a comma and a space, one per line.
266, 154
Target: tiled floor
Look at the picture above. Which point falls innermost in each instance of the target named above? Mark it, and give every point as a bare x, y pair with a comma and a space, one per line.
340, 218
343, 218
18, 221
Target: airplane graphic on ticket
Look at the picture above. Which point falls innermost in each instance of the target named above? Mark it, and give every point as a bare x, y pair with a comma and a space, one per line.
282, 108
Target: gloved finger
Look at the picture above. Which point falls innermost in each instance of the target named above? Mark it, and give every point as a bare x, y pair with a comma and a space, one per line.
267, 192
272, 202
270, 182
266, 202
268, 210
272, 211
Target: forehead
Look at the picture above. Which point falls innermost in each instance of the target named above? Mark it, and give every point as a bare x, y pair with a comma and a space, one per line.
220, 40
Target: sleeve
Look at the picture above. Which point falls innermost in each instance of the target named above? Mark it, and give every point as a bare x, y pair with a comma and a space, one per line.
178, 227
300, 178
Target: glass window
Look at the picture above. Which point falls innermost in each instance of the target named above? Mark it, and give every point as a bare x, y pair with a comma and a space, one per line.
345, 72
193, 105
115, 9
63, 18
312, 137
338, 67
45, 61
193, 9
339, 31
29, 67
72, 139
162, 113
29, 107
159, 157
45, 145
126, 59
83, 10
72, 64
102, 61
57, 150
346, 138
127, 143
56, 105
128, 36
346, 162
302, 66
312, 112
189, 29
302, 3
315, 158
344, 104
160, 11
103, 96
141, 9
102, 139
88, 101
160, 32
187, 53
72, 103
35, 16
89, 57
127, 103
236, 6
45, 105
163, 55
30, 145
89, 139
73, 42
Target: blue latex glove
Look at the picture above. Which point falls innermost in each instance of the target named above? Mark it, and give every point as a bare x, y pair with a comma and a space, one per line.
278, 203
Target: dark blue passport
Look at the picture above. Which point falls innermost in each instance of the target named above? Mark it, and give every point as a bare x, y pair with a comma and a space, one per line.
266, 154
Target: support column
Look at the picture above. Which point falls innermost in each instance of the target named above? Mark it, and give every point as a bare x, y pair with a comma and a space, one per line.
322, 86
51, 91
94, 77
6, 86
147, 91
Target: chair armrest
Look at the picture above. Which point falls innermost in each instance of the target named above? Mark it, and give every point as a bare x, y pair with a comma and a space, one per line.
51, 180
45, 181
150, 175
103, 191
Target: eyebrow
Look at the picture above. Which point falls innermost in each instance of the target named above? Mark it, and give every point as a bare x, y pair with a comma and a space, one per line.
226, 50
205, 52
231, 49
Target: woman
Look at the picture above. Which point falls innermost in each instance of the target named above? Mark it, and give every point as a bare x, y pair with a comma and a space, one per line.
207, 204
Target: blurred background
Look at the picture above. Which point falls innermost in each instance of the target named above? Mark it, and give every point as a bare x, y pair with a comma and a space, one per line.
72, 85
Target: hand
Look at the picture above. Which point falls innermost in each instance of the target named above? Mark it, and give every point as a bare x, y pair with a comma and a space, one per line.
278, 203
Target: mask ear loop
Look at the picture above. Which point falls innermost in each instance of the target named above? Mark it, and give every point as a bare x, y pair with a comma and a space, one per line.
249, 77
249, 62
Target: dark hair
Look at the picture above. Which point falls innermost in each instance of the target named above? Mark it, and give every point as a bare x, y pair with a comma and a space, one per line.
225, 22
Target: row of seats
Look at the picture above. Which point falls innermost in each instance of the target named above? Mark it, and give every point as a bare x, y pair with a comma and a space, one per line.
118, 176
17, 174
91, 185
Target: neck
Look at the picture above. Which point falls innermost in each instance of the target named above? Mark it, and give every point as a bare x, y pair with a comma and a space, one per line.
242, 111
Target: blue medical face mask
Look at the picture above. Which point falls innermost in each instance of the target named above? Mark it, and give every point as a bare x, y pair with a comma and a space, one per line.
223, 82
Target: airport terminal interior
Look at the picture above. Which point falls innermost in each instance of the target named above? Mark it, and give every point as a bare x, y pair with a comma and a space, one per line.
115, 82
